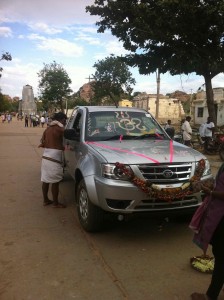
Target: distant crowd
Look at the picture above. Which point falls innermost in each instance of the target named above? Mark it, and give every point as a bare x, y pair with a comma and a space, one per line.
6, 117
34, 120
29, 120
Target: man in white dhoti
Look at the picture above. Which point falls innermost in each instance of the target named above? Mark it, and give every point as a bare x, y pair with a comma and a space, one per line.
52, 159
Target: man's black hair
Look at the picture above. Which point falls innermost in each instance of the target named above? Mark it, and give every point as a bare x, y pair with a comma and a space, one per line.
59, 116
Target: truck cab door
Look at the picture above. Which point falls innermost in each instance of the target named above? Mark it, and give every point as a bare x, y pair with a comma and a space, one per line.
72, 147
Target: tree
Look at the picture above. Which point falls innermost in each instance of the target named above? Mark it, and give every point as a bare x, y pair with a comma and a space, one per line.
4, 104
176, 36
53, 85
111, 79
5, 56
7, 104
75, 100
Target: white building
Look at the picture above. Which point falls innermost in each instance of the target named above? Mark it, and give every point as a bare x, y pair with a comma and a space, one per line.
169, 108
200, 108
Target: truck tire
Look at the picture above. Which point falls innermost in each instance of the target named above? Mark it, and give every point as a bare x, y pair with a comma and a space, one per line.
91, 217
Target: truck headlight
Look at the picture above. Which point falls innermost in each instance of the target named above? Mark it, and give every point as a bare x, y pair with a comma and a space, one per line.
207, 170
112, 172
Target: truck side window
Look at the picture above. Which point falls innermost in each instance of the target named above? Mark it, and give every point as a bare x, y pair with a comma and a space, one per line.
77, 123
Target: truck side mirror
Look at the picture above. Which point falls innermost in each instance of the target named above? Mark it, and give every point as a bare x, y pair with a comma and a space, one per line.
72, 134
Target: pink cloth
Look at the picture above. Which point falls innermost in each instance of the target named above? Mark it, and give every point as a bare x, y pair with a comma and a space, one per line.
214, 214
198, 217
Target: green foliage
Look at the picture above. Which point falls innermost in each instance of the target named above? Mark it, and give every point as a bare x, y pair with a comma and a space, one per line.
40, 106
5, 56
75, 100
186, 107
176, 36
112, 80
3, 104
8, 105
53, 85
14, 106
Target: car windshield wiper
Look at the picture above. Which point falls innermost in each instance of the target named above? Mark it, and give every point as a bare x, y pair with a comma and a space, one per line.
150, 135
119, 137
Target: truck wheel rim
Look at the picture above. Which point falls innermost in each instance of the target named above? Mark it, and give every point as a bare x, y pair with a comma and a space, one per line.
83, 204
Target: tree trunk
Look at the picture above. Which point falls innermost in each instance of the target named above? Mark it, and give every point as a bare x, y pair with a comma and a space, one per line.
61, 105
210, 98
114, 99
158, 92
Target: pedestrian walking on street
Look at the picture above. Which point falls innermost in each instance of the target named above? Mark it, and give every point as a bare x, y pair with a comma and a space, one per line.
3, 118
42, 121
9, 118
52, 159
187, 131
211, 231
26, 121
209, 128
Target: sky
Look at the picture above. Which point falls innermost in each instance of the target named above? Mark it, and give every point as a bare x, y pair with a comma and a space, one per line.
40, 32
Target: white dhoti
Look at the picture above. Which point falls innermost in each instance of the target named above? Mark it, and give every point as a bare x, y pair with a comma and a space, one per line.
51, 166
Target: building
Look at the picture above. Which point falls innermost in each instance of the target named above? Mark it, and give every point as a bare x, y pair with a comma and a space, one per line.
169, 108
125, 103
86, 92
29, 106
200, 109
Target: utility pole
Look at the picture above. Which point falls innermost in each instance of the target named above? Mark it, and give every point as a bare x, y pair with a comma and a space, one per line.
158, 92
191, 103
89, 78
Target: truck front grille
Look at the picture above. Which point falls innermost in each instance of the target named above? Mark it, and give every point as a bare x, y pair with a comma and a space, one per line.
166, 173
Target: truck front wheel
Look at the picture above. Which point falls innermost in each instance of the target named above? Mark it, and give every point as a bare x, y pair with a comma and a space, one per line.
91, 217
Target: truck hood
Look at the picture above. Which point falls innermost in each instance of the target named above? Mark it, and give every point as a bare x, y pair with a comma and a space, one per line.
145, 151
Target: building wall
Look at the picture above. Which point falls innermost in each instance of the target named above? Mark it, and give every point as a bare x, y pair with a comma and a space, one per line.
201, 110
169, 108
125, 103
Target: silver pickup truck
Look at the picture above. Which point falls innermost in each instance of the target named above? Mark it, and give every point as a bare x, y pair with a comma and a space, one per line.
123, 162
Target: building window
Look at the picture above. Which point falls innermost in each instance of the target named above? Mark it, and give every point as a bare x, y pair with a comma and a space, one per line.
200, 112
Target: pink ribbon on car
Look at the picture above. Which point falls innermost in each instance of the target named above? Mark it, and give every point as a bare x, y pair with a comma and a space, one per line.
132, 152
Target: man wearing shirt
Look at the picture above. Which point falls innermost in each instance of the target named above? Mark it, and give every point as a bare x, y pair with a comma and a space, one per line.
187, 131
209, 128
170, 129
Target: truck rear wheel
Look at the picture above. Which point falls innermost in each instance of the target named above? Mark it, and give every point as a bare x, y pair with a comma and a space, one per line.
90, 216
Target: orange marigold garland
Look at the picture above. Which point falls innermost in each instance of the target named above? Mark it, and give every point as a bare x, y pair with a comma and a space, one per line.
167, 194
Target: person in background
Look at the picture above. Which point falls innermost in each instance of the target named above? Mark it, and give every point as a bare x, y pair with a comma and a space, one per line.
3, 118
201, 136
212, 232
9, 118
52, 159
209, 128
187, 131
168, 124
47, 120
30, 120
26, 121
37, 120
202, 131
42, 121
169, 129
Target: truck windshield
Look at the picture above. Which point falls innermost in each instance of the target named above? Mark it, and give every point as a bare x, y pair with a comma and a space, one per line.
105, 125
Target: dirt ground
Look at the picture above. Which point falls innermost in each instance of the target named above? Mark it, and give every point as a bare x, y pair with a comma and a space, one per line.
44, 253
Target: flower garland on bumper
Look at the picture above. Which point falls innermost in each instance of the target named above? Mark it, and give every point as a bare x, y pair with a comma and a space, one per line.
166, 194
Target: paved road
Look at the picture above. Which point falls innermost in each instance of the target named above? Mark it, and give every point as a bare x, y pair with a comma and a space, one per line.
44, 254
